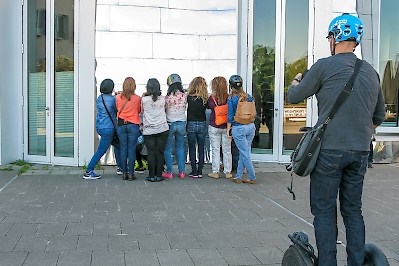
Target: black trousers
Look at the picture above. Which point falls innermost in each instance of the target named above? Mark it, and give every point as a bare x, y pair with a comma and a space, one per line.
155, 159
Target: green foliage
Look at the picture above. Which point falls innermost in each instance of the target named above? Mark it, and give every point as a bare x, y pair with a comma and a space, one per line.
62, 63
20, 163
24, 166
7, 168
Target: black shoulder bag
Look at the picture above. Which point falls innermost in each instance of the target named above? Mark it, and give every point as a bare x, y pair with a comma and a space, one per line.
304, 157
115, 139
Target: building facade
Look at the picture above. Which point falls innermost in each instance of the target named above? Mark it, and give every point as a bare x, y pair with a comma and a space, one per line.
55, 53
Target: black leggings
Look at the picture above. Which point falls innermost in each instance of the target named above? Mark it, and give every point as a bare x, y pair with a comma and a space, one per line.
155, 158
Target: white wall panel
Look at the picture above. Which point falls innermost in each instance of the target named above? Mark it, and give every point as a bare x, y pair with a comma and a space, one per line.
218, 47
102, 22
198, 22
130, 18
124, 44
176, 46
107, 2
152, 3
344, 6
203, 4
209, 69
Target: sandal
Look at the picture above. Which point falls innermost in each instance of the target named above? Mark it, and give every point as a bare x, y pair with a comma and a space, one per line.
236, 180
249, 181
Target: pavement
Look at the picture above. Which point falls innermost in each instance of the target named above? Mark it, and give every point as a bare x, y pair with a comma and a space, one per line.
50, 216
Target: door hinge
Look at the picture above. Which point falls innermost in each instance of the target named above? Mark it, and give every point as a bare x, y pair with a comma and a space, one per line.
22, 2
22, 48
22, 100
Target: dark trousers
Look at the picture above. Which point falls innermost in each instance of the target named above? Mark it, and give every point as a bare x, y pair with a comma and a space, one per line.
155, 157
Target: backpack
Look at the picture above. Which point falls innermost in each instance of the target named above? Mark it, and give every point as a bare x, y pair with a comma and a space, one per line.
245, 113
220, 113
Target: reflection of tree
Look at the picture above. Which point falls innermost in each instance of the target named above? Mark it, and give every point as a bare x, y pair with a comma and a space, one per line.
263, 65
291, 69
390, 86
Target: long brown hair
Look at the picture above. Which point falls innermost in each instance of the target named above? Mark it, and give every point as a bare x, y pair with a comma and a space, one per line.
219, 90
129, 87
198, 87
240, 93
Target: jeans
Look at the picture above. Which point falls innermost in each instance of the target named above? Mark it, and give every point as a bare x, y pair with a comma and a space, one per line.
196, 132
338, 172
117, 153
177, 131
128, 135
218, 136
243, 136
156, 147
106, 136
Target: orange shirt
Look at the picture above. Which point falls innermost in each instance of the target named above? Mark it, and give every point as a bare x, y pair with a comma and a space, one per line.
131, 111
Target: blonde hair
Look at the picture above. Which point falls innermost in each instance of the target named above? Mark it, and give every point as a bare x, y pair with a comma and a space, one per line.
129, 87
198, 87
240, 93
219, 90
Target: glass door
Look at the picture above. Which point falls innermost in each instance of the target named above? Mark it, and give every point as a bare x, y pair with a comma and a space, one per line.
278, 46
49, 94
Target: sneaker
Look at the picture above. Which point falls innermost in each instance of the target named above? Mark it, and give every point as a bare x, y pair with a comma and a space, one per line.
249, 181
140, 170
200, 174
167, 175
228, 175
182, 175
91, 175
213, 175
119, 171
193, 175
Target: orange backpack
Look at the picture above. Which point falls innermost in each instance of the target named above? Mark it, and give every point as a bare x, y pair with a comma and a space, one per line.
245, 113
220, 113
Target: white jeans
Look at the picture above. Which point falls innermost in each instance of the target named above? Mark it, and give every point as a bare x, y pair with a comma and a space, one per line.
218, 136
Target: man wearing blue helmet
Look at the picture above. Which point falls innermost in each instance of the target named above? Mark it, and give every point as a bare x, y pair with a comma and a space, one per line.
342, 162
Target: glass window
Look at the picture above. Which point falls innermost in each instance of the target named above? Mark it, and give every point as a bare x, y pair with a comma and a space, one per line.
389, 59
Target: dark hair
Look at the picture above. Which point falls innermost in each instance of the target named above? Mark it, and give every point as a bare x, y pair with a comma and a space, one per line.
153, 88
174, 88
107, 86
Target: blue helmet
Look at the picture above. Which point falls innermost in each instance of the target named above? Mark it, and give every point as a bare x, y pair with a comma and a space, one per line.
346, 28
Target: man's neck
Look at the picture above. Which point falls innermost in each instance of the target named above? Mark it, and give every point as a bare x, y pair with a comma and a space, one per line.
345, 47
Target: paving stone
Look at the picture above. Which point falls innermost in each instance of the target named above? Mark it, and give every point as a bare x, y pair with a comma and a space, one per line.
62, 243
122, 243
4, 228
107, 229
214, 240
207, 257
174, 258
32, 244
114, 258
182, 241
141, 258
79, 229
74, 259
239, 256
7, 243
153, 242
51, 229
12, 258
92, 243
135, 228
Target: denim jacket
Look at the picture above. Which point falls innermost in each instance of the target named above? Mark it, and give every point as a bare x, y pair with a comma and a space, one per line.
102, 119
232, 103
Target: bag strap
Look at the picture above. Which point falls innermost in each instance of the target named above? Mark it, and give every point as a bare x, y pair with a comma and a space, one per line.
214, 100
123, 106
345, 92
102, 98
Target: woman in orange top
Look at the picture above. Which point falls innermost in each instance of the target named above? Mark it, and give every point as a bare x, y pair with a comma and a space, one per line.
129, 108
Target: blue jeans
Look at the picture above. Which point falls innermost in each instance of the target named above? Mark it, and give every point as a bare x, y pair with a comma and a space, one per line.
177, 131
106, 136
128, 135
196, 132
338, 172
117, 153
243, 136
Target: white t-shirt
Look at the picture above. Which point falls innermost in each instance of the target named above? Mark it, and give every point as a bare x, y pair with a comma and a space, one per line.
154, 116
176, 106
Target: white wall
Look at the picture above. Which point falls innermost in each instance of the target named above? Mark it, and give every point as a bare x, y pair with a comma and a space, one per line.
145, 39
10, 81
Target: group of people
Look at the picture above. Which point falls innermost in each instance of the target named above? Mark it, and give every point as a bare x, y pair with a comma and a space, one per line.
166, 122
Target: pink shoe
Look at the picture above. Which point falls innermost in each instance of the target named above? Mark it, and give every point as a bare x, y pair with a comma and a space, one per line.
167, 175
182, 175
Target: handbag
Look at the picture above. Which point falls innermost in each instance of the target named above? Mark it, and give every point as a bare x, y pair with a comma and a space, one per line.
304, 157
220, 113
115, 138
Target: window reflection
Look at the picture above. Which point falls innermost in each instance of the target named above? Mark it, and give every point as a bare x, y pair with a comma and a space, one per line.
389, 59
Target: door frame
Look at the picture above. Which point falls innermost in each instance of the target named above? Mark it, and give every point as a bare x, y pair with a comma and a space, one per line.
50, 158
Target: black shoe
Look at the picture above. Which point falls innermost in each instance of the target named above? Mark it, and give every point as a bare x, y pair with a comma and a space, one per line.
200, 174
193, 174
370, 165
131, 177
125, 176
140, 170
